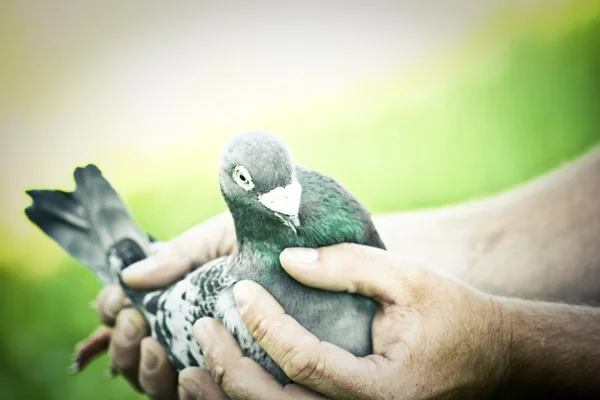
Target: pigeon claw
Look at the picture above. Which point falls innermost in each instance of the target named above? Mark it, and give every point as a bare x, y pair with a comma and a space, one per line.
90, 348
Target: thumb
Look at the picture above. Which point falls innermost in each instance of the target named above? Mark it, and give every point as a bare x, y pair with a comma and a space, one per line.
207, 241
158, 270
350, 268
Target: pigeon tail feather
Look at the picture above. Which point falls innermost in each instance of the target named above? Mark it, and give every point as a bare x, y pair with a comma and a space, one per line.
91, 223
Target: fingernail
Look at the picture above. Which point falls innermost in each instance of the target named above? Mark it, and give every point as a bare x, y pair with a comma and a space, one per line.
301, 255
150, 361
114, 303
190, 386
130, 330
241, 293
139, 269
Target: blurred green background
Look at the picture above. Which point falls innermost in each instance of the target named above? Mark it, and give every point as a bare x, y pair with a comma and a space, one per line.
515, 94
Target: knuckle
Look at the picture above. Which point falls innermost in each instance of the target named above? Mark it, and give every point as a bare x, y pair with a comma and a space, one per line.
131, 327
109, 302
230, 378
120, 319
345, 246
347, 251
121, 360
101, 305
147, 342
219, 373
128, 314
353, 285
354, 250
259, 328
305, 367
353, 281
147, 345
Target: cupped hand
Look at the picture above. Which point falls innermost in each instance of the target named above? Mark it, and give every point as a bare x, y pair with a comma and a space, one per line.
433, 336
136, 356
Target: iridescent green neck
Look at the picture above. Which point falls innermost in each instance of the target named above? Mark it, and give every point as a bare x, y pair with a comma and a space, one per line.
266, 237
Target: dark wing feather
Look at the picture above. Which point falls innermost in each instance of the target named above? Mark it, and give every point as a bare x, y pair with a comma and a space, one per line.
182, 304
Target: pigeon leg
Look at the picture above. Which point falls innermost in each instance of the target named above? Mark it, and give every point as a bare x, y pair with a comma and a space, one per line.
88, 349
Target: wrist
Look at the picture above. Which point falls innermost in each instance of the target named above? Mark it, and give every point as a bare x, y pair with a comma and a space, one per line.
517, 315
552, 349
482, 358
496, 336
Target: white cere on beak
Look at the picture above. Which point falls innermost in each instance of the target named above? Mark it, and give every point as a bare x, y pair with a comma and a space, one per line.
283, 200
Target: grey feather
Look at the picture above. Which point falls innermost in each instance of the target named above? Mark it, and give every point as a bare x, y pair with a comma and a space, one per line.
94, 225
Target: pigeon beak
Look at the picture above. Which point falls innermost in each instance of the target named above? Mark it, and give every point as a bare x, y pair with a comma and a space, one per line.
284, 202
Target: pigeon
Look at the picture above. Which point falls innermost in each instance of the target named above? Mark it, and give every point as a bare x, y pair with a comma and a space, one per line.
275, 204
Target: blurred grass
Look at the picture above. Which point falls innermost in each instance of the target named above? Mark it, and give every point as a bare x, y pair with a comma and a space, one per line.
502, 110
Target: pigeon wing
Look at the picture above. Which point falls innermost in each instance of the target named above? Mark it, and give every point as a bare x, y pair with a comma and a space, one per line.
173, 312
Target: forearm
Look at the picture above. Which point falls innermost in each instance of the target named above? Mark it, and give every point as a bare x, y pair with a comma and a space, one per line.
537, 241
554, 349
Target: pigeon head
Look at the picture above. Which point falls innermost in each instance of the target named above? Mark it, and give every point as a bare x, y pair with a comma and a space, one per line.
257, 175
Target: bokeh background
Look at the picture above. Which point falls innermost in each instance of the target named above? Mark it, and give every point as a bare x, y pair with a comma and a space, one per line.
408, 104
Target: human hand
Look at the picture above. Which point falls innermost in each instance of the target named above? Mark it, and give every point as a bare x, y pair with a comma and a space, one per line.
433, 335
139, 358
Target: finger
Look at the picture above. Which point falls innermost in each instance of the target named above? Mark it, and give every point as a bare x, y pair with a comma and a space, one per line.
157, 376
124, 348
109, 302
198, 383
318, 365
207, 241
352, 268
239, 376
155, 247
157, 270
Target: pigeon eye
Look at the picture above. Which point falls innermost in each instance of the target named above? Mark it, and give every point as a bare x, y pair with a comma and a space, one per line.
242, 177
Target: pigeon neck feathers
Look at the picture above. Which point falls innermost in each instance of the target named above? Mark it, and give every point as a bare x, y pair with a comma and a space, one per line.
328, 215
